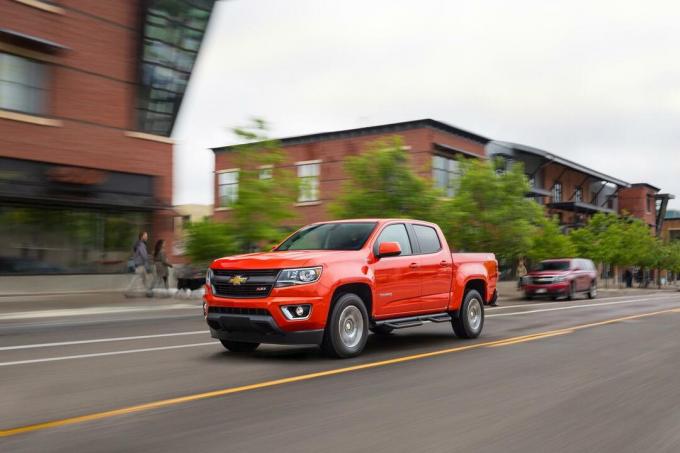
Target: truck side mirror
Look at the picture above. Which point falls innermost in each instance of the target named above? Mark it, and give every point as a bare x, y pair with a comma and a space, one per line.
386, 249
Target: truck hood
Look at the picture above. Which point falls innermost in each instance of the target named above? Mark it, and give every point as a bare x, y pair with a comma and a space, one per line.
277, 260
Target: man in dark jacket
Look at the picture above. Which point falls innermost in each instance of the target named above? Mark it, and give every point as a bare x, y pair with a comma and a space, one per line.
140, 257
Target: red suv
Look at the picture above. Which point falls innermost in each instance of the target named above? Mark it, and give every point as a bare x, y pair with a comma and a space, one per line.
562, 278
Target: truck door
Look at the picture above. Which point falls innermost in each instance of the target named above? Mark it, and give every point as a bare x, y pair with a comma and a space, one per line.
397, 281
435, 267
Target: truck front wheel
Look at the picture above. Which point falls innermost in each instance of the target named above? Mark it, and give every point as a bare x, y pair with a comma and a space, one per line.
346, 328
239, 346
470, 319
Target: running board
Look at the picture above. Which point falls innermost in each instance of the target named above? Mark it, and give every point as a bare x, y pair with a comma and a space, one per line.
413, 321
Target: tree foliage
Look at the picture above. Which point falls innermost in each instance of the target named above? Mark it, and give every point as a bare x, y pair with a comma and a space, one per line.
491, 212
381, 183
550, 242
267, 191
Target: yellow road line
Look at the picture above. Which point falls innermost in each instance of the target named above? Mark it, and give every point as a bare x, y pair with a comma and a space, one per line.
306, 377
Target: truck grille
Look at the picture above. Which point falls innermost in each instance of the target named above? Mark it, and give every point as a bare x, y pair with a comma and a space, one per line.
244, 283
238, 311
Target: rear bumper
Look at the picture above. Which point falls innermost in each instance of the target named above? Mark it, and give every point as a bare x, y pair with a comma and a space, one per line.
257, 329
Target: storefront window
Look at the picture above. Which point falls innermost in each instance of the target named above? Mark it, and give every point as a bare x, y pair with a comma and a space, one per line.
37, 240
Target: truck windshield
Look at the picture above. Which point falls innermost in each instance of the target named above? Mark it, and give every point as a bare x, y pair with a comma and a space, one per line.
329, 236
553, 266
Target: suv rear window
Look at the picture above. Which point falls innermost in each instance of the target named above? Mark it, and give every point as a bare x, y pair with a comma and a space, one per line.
427, 239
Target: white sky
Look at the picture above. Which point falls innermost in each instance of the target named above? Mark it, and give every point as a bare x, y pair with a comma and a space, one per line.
594, 81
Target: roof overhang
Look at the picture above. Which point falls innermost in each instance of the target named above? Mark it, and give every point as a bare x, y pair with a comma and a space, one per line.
550, 157
453, 149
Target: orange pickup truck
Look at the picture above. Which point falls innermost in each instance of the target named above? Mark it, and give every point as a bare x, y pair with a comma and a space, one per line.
331, 283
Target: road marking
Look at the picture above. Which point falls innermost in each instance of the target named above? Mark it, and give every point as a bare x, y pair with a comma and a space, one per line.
539, 304
306, 377
569, 307
103, 354
64, 312
102, 340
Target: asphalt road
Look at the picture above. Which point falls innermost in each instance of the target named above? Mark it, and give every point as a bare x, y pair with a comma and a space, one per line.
559, 376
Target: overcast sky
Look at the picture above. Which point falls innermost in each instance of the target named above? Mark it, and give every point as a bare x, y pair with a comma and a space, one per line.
594, 81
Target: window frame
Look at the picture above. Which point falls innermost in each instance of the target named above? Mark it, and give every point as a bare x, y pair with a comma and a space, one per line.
420, 248
557, 189
298, 166
409, 236
451, 175
41, 103
219, 204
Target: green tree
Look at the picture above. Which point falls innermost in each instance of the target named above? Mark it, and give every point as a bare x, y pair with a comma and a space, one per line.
491, 212
381, 183
267, 190
266, 194
550, 242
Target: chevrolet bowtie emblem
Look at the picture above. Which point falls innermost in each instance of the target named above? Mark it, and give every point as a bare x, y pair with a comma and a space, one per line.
237, 280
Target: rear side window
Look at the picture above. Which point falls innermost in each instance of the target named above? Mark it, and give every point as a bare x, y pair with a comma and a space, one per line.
395, 233
427, 239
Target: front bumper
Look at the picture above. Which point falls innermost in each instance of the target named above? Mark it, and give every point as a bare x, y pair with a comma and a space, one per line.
257, 328
553, 289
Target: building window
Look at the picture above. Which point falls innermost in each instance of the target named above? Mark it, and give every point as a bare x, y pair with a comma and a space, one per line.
22, 84
266, 172
445, 172
308, 174
227, 187
557, 192
649, 203
578, 194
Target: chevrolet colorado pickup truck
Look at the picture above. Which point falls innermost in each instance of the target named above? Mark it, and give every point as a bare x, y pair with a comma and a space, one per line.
331, 283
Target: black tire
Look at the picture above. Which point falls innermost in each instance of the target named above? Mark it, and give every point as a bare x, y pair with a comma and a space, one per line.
470, 319
528, 296
350, 310
592, 292
382, 330
239, 346
572, 292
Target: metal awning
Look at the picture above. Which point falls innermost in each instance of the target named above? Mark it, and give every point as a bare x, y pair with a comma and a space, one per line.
32, 42
580, 206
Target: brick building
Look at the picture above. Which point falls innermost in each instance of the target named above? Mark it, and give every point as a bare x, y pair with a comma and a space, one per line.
89, 91
570, 191
318, 158
671, 226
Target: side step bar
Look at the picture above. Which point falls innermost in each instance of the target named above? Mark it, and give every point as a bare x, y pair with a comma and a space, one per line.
413, 321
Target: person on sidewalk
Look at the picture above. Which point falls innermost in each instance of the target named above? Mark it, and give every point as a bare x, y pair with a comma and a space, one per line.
140, 257
521, 274
161, 263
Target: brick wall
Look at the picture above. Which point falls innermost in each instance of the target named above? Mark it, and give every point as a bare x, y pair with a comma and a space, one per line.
91, 92
636, 200
332, 154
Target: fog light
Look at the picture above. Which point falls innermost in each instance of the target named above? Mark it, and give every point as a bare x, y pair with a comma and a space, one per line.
297, 312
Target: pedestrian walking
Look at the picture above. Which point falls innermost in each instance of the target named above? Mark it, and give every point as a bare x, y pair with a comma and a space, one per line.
140, 258
161, 263
521, 274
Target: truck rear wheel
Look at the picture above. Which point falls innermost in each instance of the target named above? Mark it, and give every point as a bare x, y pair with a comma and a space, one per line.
239, 346
346, 328
470, 319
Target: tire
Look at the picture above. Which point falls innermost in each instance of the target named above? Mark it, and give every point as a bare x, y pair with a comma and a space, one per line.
592, 292
470, 319
572, 292
528, 296
347, 327
382, 330
239, 346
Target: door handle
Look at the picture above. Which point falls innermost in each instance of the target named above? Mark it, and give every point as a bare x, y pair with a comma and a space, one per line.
444, 263
413, 265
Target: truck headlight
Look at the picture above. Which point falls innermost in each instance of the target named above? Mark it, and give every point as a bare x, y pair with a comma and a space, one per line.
290, 277
560, 278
